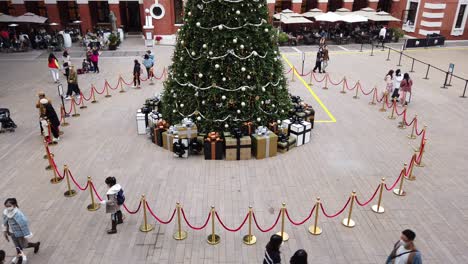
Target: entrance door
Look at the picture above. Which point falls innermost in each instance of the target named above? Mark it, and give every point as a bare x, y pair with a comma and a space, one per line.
130, 15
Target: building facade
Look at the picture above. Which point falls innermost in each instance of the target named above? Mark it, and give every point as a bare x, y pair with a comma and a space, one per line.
418, 17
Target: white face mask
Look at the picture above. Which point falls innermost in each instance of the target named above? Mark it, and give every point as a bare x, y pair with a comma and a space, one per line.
403, 243
10, 209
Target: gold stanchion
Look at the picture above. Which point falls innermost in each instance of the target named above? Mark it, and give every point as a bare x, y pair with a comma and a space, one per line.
293, 71
412, 135
411, 176
343, 91
55, 179
83, 106
179, 234
92, 206
75, 114
46, 156
326, 82
311, 76
52, 142
250, 239
422, 149
283, 234
348, 222
392, 116
145, 227
378, 208
93, 90
374, 96
107, 89
213, 238
383, 109
357, 90
70, 192
402, 124
121, 84
62, 110
400, 191
314, 229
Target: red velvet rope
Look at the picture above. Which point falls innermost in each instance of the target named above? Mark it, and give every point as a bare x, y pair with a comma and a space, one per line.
330, 80
305, 74
122, 80
338, 213
288, 71
396, 110
232, 229
355, 86
132, 212
81, 100
194, 227
144, 79
90, 96
54, 165
71, 109
420, 132
362, 90
268, 229
103, 90
421, 150
112, 88
95, 192
323, 79
391, 103
157, 218
303, 221
162, 74
396, 182
76, 183
370, 200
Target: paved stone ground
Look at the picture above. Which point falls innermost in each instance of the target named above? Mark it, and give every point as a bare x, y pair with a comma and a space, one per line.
351, 154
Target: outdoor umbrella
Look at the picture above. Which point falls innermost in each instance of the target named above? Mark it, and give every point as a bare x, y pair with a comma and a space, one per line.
329, 17
382, 17
6, 18
31, 18
353, 18
312, 13
284, 13
342, 10
295, 20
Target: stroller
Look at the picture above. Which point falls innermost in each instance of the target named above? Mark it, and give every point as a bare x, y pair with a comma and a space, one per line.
6, 123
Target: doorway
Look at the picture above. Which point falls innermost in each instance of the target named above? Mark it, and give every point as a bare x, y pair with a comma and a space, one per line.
130, 15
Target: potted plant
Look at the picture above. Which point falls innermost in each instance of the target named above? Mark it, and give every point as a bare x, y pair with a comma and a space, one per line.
398, 33
283, 38
113, 41
158, 38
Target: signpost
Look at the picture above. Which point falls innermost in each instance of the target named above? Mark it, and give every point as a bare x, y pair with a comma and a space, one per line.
303, 60
61, 94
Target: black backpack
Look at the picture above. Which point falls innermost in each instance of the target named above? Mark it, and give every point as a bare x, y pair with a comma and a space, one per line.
120, 197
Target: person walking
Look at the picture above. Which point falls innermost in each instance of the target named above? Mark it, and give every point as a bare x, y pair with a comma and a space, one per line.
389, 82
115, 198
396, 84
73, 84
272, 252
404, 251
318, 61
66, 62
95, 59
51, 116
16, 226
326, 58
382, 35
54, 67
299, 257
148, 63
136, 74
41, 109
405, 87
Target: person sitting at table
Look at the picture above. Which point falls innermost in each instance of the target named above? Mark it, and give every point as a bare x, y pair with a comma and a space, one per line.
292, 39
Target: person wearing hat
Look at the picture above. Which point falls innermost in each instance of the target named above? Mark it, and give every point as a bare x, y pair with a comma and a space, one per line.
51, 116
404, 251
41, 109
73, 83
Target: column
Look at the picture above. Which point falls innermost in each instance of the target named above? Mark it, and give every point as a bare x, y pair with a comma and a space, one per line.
323, 5
53, 13
20, 9
85, 15
348, 4
296, 6
114, 7
271, 9
373, 4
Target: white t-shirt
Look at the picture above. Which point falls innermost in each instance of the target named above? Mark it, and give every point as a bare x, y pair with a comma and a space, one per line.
383, 32
397, 81
403, 259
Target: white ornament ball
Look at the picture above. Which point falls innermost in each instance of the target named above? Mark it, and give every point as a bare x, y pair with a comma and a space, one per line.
198, 118
210, 53
203, 102
226, 125
223, 97
178, 30
205, 46
278, 121
220, 27
254, 53
275, 52
181, 105
234, 40
174, 95
243, 89
185, 74
193, 53
200, 75
224, 79
242, 46
263, 89
262, 102
248, 77
266, 29
273, 106
238, 111
198, 24
275, 59
181, 59
182, 42
217, 66
238, 12
242, 104
243, 69
173, 111
259, 119
189, 13
282, 111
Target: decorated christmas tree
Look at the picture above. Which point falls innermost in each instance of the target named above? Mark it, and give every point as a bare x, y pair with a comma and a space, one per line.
226, 67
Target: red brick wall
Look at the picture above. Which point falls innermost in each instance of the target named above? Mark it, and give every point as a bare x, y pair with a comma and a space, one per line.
323, 7
374, 5
53, 14
348, 5
296, 7
116, 9
85, 17
271, 11
19, 10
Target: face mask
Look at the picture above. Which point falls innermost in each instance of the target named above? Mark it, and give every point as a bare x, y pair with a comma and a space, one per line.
403, 243
10, 209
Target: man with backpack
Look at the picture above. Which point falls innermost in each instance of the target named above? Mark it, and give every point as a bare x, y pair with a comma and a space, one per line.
115, 198
404, 251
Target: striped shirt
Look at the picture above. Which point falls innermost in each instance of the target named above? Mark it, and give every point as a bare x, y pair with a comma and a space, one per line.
271, 257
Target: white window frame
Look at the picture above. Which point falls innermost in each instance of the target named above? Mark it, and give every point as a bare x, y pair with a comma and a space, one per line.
459, 31
412, 28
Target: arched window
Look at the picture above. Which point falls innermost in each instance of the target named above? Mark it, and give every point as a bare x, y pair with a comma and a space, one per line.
333, 5
178, 12
385, 5
359, 4
308, 5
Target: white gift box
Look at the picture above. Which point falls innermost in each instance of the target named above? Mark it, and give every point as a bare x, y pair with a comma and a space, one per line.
295, 130
307, 131
185, 142
141, 123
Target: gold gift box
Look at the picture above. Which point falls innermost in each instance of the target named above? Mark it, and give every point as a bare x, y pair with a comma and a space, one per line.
241, 152
187, 132
264, 146
168, 140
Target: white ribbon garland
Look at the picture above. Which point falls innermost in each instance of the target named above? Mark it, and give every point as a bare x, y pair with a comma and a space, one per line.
234, 28
253, 53
189, 84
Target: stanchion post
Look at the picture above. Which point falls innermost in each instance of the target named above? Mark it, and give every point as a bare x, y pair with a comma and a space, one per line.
48, 156
444, 86
388, 57
427, 72
107, 90
179, 234
399, 61
400, 191
250, 239
93, 206
213, 238
121, 84
392, 116
326, 82
315, 229
311, 76
348, 222
362, 43
421, 152
93, 90
372, 49
343, 91
293, 71
411, 176
73, 103
283, 234
412, 66
378, 208
402, 124
383, 109
64, 114
357, 90
412, 135
83, 106
145, 227
464, 90
70, 192
374, 96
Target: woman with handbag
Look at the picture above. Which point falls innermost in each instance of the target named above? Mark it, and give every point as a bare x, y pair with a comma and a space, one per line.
405, 87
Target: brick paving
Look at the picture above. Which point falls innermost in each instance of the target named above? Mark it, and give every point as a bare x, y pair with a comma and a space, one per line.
351, 154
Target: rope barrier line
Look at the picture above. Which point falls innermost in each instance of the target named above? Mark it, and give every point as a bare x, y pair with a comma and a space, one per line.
303, 75
268, 229
323, 79
370, 200
288, 71
71, 109
232, 229
90, 95
336, 84
402, 173
122, 80
338, 213
81, 100
157, 218
61, 176
132, 212
364, 93
103, 90
303, 221
95, 192
76, 183
194, 227
396, 110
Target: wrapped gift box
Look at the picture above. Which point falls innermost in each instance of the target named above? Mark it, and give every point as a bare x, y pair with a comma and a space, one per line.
153, 118
285, 143
274, 127
168, 138
187, 129
247, 128
238, 148
213, 147
158, 130
264, 143
298, 130
180, 147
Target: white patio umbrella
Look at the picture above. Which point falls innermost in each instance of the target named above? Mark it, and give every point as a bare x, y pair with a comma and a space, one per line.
367, 9
329, 17
296, 20
53, 24
6, 18
353, 18
382, 17
31, 18
285, 13
342, 10
312, 13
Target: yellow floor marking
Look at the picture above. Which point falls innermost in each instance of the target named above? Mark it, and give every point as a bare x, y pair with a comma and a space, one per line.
379, 50
332, 118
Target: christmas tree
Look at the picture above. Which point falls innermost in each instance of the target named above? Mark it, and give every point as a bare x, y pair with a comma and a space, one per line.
226, 68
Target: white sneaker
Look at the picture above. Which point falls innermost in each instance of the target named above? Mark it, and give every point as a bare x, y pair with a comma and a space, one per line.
133, 86
56, 140
68, 98
78, 97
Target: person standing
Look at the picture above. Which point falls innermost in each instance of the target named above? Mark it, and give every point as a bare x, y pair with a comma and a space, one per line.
299, 257
73, 84
115, 199
51, 116
16, 226
382, 35
396, 84
405, 87
41, 109
272, 252
404, 251
318, 61
66, 62
95, 59
326, 58
136, 74
54, 67
148, 63
389, 82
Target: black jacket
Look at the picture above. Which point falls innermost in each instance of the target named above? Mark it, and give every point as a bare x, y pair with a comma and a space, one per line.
51, 115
